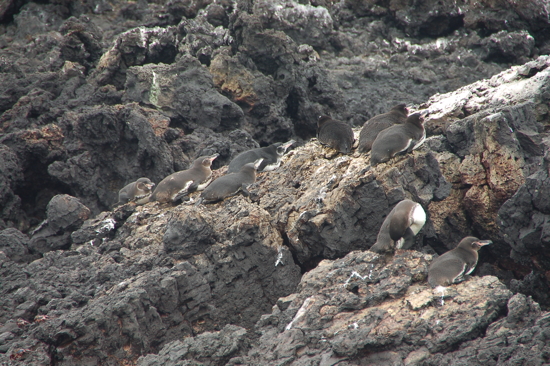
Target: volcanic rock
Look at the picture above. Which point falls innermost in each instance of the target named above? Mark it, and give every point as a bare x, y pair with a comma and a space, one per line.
65, 214
95, 94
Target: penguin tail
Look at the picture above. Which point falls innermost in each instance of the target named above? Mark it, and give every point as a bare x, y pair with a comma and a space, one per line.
199, 201
378, 248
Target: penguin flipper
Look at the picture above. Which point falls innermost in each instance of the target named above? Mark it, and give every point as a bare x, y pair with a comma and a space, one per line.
460, 278
183, 192
192, 187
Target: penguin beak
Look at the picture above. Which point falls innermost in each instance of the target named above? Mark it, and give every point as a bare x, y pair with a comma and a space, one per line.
150, 186
482, 243
212, 157
257, 163
286, 145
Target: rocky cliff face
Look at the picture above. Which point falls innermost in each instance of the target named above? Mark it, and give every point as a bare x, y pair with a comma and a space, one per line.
97, 94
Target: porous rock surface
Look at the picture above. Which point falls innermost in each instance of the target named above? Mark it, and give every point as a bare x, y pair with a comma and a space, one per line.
145, 276
368, 309
97, 94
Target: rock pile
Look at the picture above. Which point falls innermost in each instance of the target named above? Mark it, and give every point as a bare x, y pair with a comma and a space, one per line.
95, 95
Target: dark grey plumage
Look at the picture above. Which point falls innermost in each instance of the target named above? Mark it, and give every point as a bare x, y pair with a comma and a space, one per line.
177, 185
397, 139
335, 134
454, 265
230, 184
400, 227
138, 192
375, 125
271, 154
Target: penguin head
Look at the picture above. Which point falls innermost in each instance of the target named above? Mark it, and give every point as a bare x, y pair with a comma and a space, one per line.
281, 148
207, 160
473, 243
401, 109
144, 184
416, 119
322, 120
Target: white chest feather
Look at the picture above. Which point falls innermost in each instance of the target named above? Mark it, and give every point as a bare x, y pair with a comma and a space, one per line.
418, 218
271, 167
142, 198
202, 186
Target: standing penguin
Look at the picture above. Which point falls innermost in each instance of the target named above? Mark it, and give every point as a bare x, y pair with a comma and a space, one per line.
452, 266
271, 154
230, 184
177, 185
371, 128
138, 191
397, 139
400, 227
335, 134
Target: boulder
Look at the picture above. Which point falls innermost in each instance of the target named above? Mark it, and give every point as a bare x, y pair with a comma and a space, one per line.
65, 214
14, 244
329, 207
184, 91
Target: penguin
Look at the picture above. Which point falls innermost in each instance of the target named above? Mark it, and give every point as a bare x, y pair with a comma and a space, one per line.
397, 115
271, 154
231, 184
454, 265
335, 134
400, 227
139, 192
177, 185
398, 139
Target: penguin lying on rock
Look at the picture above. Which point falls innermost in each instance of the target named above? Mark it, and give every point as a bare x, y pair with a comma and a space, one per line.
230, 184
138, 192
378, 123
177, 185
335, 134
402, 138
271, 154
454, 265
